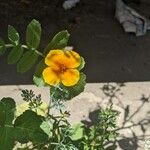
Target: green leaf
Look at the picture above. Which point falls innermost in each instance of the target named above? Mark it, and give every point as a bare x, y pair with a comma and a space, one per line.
38, 78
78, 88
7, 109
39, 81
78, 132
47, 128
67, 93
13, 35
27, 61
28, 128
7, 139
40, 67
15, 54
24, 129
2, 47
59, 41
82, 64
33, 34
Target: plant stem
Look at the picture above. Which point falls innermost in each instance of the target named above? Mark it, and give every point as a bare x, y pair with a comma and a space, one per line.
49, 106
25, 47
50, 103
8, 45
92, 148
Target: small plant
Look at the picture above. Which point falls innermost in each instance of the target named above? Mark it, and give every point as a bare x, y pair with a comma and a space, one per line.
99, 135
32, 125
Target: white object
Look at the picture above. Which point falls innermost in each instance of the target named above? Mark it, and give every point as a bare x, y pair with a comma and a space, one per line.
131, 20
68, 4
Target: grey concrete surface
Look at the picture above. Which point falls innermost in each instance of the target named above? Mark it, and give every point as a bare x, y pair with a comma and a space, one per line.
134, 129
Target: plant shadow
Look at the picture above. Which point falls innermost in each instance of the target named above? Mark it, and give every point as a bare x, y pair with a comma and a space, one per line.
138, 129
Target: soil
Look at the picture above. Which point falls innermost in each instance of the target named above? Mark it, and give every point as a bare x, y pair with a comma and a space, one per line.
111, 54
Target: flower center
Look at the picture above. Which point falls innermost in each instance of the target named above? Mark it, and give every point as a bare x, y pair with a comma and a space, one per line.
62, 68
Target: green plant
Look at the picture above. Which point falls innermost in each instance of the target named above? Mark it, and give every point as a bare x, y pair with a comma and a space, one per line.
59, 69
97, 136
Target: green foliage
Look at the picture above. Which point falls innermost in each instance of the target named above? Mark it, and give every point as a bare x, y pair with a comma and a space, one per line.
6, 138
76, 89
104, 130
61, 132
40, 67
98, 135
82, 64
38, 81
66, 93
78, 132
59, 41
37, 77
15, 54
26, 55
34, 101
2, 47
47, 128
24, 128
7, 109
28, 128
33, 34
52, 132
13, 35
27, 61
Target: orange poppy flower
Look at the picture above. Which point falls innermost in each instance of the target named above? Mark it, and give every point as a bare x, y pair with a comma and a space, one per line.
62, 67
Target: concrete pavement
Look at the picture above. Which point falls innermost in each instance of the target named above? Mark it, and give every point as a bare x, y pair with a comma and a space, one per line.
131, 100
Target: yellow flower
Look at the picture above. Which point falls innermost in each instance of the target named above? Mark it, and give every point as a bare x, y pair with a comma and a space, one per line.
62, 67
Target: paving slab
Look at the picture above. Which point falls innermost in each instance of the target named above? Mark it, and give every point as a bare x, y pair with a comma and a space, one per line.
132, 101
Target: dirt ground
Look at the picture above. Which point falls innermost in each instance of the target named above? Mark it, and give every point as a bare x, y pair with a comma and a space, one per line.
111, 54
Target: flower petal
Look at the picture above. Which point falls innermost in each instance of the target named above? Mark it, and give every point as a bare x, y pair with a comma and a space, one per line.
69, 59
53, 57
50, 76
72, 59
70, 77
